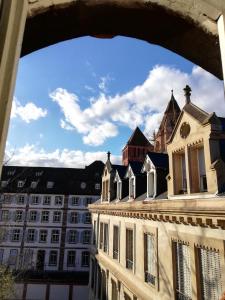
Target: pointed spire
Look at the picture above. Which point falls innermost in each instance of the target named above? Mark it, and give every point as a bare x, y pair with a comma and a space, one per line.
172, 96
187, 94
108, 155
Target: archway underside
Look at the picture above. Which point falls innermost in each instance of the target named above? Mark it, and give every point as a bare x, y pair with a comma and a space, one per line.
106, 19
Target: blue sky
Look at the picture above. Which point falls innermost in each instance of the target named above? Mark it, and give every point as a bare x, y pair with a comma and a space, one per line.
78, 99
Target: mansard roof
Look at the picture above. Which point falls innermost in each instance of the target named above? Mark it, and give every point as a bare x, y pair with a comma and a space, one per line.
160, 160
66, 180
138, 139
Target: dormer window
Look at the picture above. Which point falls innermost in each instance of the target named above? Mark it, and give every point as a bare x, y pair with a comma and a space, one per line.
119, 190
97, 186
132, 187
11, 172
38, 173
20, 183
4, 183
33, 184
50, 184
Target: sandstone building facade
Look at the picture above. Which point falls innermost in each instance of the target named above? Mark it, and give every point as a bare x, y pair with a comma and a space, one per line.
168, 245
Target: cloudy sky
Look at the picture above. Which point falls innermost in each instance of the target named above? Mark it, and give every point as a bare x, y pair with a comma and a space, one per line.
78, 99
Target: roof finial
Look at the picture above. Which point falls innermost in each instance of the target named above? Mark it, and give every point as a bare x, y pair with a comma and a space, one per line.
187, 94
108, 154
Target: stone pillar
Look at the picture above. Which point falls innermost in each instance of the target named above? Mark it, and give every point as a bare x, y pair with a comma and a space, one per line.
221, 32
12, 23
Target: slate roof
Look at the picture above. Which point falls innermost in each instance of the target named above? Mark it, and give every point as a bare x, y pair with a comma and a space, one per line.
138, 139
136, 167
121, 170
196, 112
66, 180
160, 160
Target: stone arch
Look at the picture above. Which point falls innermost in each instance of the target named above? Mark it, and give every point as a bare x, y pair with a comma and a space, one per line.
180, 26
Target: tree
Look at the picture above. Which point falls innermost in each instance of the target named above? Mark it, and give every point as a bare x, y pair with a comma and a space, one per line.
7, 281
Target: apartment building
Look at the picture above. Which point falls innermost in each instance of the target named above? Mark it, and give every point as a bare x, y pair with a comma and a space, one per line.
45, 225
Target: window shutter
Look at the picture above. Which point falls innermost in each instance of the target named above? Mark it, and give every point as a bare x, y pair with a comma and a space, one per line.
210, 274
183, 270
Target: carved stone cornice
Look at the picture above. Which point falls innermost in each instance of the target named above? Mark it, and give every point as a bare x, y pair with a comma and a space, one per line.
194, 212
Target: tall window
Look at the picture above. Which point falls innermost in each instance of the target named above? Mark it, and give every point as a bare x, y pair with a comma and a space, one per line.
18, 216
86, 237
202, 172
114, 291
15, 235
129, 249
35, 199
101, 236
71, 258
47, 200
13, 257
210, 274
150, 258
74, 217
183, 271
33, 216
55, 236
104, 283
53, 258
73, 236
85, 259
43, 236
31, 235
151, 186
5, 215
184, 176
198, 182
57, 216
106, 237
87, 218
115, 242
75, 201
45, 216
20, 199
58, 200
94, 232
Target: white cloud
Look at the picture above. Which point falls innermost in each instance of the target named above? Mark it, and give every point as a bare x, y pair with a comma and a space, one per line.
103, 84
32, 155
142, 106
29, 112
89, 88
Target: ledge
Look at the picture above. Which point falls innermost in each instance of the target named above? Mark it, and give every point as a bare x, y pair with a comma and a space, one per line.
195, 212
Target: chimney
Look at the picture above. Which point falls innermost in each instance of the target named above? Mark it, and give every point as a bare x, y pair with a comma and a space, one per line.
187, 94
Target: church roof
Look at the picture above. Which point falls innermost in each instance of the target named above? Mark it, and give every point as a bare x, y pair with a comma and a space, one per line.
172, 106
138, 139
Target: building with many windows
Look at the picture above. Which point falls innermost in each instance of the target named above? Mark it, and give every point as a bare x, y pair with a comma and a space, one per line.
46, 227
166, 245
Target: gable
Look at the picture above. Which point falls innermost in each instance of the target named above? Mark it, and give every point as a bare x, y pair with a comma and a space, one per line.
180, 132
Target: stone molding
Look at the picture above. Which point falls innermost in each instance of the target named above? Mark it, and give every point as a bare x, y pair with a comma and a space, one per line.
201, 212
